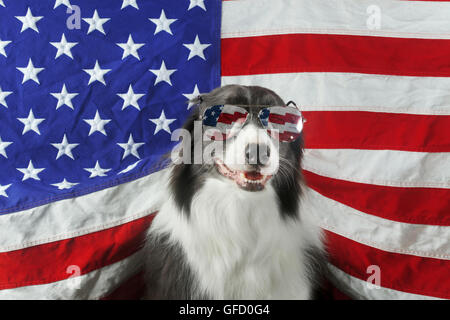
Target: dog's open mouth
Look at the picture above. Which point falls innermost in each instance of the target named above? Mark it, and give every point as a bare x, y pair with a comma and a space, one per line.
247, 180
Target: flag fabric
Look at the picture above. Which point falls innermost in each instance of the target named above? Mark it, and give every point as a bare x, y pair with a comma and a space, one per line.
90, 92
372, 79
86, 113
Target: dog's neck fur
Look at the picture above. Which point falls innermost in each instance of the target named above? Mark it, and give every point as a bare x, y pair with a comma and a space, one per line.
238, 245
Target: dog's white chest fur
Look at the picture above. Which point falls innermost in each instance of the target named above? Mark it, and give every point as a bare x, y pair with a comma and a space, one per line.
238, 245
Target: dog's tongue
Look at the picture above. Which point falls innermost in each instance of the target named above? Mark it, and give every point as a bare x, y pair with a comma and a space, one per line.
253, 175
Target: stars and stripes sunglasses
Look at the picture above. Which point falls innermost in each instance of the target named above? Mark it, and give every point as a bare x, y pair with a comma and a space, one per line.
284, 123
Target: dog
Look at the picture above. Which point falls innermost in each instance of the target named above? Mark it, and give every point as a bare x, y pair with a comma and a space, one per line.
232, 229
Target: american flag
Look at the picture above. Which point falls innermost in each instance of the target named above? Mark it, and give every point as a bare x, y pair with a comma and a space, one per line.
90, 92
371, 78
373, 81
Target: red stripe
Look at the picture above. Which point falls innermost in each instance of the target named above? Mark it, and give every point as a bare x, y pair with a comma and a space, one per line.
336, 294
335, 53
331, 292
407, 273
48, 262
377, 131
428, 206
131, 289
230, 118
283, 135
283, 118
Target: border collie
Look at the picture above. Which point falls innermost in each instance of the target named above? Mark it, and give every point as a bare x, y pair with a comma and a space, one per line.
231, 228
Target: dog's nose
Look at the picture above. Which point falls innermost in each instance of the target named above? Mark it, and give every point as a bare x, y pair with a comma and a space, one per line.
257, 154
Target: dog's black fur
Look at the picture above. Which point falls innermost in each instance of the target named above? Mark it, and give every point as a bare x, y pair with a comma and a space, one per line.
170, 277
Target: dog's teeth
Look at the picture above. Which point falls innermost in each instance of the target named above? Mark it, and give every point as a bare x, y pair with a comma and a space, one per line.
253, 181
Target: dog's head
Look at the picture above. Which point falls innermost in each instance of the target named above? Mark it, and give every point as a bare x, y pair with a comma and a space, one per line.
239, 145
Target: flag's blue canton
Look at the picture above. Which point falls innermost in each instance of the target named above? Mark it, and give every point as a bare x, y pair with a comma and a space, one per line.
84, 109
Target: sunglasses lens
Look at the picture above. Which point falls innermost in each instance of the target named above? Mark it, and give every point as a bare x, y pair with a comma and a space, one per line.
282, 123
222, 122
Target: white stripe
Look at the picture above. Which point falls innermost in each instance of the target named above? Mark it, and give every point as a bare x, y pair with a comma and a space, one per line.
392, 236
319, 91
93, 285
381, 167
359, 289
348, 17
85, 214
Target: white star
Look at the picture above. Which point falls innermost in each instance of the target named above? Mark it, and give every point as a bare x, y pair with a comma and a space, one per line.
162, 123
64, 47
3, 146
3, 95
64, 184
3, 44
162, 23
96, 23
31, 123
131, 147
64, 148
196, 48
130, 48
197, 3
130, 98
4, 188
191, 96
127, 3
97, 124
97, 171
64, 2
29, 21
97, 73
163, 74
64, 98
1, 3
30, 72
31, 172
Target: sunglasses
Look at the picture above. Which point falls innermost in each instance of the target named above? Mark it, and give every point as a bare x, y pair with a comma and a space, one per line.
284, 123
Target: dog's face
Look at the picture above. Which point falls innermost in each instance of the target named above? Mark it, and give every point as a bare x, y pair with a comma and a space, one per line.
249, 156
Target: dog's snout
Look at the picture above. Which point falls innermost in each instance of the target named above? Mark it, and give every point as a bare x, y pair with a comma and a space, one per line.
257, 154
